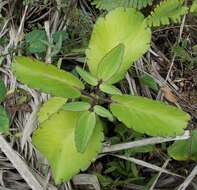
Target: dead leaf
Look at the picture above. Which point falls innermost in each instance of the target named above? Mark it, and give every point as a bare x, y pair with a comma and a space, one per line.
167, 92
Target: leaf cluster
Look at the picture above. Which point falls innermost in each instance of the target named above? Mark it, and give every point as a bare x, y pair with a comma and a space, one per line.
71, 125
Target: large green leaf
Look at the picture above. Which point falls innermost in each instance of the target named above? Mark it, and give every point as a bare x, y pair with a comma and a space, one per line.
2, 91
185, 149
126, 26
52, 106
46, 78
4, 121
55, 140
148, 116
84, 130
110, 63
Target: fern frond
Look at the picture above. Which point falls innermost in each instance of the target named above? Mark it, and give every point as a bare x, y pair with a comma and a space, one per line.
111, 4
166, 11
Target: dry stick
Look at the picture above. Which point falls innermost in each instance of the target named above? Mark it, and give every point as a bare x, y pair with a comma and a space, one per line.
147, 141
21, 27
19, 164
29, 127
47, 29
155, 182
188, 180
130, 84
146, 164
86, 179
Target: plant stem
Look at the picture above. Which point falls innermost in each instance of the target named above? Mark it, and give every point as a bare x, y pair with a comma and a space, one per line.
95, 99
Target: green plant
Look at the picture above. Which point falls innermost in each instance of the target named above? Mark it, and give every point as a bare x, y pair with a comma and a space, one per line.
4, 121
162, 14
71, 127
167, 11
182, 53
111, 4
185, 149
193, 8
36, 41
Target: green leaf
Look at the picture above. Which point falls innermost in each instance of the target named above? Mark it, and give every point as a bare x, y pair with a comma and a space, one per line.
87, 76
46, 78
35, 41
184, 149
4, 121
55, 140
120, 26
150, 82
167, 11
52, 106
148, 116
2, 91
59, 36
103, 112
76, 106
193, 8
110, 63
84, 130
181, 52
112, 4
109, 89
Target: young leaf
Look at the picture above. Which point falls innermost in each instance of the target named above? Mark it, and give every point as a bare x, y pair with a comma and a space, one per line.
87, 76
2, 91
84, 130
112, 4
120, 26
52, 106
167, 10
149, 81
55, 140
4, 121
46, 78
148, 116
76, 106
35, 41
185, 149
110, 63
101, 111
109, 89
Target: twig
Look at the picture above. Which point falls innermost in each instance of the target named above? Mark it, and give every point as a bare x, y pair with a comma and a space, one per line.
147, 141
188, 180
155, 182
130, 84
29, 127
106, 100
87, 179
